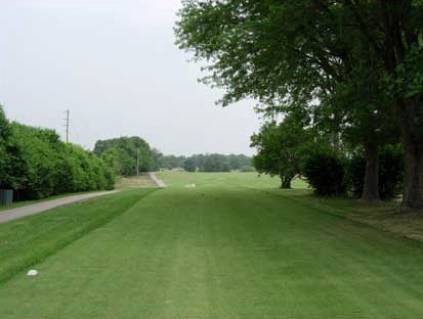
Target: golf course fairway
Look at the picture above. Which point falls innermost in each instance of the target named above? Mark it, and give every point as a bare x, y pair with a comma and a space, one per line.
221, 246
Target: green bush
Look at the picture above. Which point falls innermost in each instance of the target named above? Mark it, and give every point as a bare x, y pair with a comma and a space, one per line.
37, 165
325, 172
4, 138
33, 162
391, 172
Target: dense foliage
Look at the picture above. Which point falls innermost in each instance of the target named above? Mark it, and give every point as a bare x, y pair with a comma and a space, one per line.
4, 136
391, 172
171, 161
280, 148
326, 172
121, 155
36, 164
127, 155
356, 67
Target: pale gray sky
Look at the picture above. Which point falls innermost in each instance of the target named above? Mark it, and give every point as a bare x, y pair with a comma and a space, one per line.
114, 64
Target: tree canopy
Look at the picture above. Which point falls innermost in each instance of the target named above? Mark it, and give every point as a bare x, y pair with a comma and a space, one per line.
355, 66
279, 147
122, 154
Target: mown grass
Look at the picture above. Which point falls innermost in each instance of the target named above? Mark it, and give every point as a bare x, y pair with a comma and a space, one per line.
247, 179
384, 215
28, 241
232, 247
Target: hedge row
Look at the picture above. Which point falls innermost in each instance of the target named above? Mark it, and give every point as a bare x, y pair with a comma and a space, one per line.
36, 164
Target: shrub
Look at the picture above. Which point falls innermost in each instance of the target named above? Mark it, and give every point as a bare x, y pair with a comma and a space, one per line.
34, 161
325, 172
40, 165
4, 139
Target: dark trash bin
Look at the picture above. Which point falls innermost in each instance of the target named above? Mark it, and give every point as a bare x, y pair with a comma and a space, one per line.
6, 197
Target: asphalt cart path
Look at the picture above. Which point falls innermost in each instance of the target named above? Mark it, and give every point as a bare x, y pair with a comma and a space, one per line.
33, 209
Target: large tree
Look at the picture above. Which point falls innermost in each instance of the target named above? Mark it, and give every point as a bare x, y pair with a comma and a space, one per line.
282, 50
279, 148
394, 31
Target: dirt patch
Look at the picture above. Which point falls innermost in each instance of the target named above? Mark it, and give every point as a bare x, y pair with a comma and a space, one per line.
386, 216
407, 224
142, 181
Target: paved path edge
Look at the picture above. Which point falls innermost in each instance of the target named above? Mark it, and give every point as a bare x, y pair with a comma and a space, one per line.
156, 180
33, 209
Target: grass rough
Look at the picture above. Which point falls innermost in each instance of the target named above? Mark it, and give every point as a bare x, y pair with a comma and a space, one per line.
29, 241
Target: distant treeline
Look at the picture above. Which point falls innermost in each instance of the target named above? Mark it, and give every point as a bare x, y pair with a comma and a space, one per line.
127, 155
124, 154
207, 162
36, 164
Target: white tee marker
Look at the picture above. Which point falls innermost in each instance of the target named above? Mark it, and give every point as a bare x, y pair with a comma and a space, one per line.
32, 273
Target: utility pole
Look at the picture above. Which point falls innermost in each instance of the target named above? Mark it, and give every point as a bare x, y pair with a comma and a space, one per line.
67, 120
138, 162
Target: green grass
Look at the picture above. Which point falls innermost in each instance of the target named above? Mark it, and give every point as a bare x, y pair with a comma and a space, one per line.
250, 179
27, 241
234, 246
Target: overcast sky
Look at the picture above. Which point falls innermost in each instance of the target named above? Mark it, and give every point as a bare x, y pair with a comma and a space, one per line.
114, 64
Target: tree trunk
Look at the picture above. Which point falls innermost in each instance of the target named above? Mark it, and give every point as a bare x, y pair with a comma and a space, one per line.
286, 182
371, 177
413, 145
413, 183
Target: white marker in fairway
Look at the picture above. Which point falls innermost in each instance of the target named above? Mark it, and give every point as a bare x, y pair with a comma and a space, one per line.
32, 273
